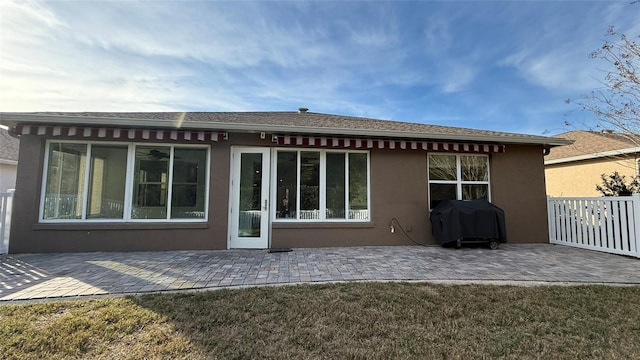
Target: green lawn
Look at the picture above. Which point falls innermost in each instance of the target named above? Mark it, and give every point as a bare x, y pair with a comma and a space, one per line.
341, 321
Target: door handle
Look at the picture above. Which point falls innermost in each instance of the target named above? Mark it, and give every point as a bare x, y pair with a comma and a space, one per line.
266, 206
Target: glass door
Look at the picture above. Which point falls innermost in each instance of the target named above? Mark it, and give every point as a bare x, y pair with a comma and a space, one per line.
249, 205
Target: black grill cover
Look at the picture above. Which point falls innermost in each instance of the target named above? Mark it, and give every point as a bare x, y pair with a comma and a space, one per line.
476, 219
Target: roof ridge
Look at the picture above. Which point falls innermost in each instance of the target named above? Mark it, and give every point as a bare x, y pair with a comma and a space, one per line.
85, 113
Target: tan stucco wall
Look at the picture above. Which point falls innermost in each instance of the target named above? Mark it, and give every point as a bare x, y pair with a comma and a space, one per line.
7, 176
398, 190
579, 178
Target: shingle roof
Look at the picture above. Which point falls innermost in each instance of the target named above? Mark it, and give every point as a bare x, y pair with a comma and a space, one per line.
8, 146
338, 124
591, 142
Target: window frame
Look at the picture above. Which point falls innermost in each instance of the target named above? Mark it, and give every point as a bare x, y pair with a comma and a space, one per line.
129, 182
60, 167
459, 182
322, 196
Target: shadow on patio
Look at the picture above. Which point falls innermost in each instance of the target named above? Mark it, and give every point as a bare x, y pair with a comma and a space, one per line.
41, 276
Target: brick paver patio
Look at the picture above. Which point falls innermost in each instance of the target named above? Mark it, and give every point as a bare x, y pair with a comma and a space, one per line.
46, 276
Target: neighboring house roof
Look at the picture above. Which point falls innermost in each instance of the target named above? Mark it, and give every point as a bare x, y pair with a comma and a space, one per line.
591, 144
300, 122
9, 147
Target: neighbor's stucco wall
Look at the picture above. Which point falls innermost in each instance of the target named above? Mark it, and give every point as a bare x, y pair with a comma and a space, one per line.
8, 176
398, 190
579, 178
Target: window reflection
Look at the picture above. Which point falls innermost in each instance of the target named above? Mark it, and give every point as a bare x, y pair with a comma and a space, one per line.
107, 182
150, 182
345, 185
287, 191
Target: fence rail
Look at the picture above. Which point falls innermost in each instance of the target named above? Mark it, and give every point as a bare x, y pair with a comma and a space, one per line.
609, 224
6, 202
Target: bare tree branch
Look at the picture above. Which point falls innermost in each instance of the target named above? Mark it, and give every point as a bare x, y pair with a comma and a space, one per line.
617, 104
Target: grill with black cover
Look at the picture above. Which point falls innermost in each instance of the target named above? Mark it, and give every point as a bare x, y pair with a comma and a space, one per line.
475, 221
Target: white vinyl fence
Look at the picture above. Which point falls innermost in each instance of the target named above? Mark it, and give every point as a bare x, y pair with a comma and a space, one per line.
6, 202
609, 224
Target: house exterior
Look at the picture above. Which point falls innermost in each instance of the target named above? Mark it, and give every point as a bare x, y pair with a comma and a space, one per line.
575, 169
9, 146
178, 181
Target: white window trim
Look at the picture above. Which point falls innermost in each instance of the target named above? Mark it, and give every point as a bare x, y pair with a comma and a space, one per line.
459, 182
322, 184
128, 194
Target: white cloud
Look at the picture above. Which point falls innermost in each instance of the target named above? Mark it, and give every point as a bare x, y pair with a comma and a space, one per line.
458, 77
401, 60
556, 56
33, 11
130, 56
366, 35
437, 35
565, 70
440, 48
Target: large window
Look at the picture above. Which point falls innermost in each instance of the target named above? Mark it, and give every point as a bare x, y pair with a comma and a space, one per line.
321, 185
65, 183
457, 177
108, 177
124, 182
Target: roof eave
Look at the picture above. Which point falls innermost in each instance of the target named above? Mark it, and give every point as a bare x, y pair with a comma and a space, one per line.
611, 153
12, 120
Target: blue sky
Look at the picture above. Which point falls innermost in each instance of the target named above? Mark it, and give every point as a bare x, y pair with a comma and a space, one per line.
503, 65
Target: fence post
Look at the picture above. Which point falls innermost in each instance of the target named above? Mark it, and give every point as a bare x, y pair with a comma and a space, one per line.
550, 219
636, 222
6, 205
